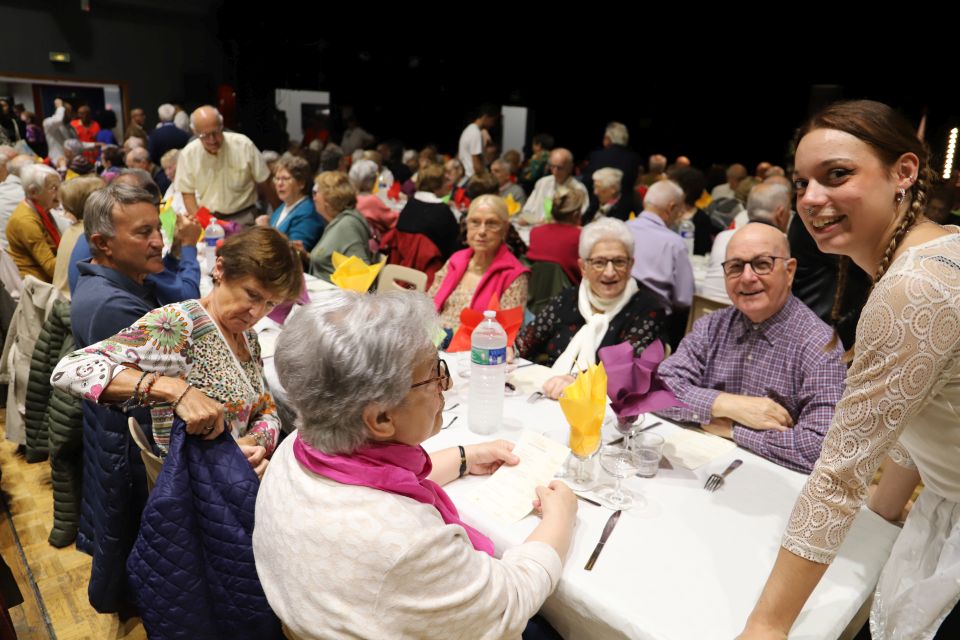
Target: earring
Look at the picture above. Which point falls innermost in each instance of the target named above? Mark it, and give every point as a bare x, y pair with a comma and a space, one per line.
901, 194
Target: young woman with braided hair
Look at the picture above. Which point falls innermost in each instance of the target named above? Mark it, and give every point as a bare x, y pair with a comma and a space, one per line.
862, 180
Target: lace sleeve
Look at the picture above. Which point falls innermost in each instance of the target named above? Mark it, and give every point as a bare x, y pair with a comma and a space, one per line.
900, 456
908, 336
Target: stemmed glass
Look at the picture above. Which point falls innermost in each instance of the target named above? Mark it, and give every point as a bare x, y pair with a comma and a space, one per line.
619, 462
629, 426
581, 473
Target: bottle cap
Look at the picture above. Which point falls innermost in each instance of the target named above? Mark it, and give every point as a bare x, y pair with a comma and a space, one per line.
490, 314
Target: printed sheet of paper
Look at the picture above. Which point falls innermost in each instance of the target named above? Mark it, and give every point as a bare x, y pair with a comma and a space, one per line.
530, 378
692, 449
509, 493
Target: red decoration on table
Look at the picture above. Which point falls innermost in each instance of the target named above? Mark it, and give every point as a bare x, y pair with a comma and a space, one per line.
394, 191
509, 319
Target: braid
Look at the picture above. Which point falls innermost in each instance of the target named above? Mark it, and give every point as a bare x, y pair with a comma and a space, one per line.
843, 266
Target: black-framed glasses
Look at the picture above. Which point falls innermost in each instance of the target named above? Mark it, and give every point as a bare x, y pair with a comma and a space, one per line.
443, 377
761, 265
600, 264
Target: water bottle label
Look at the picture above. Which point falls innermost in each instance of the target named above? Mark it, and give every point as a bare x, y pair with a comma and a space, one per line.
479, 355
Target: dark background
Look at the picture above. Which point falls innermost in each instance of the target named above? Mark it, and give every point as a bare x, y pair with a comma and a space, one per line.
713, 92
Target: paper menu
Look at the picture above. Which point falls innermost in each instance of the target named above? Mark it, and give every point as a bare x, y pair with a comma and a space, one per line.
509, 493
691, 449
530, 378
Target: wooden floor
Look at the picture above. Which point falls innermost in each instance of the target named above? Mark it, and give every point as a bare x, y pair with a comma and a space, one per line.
53, 581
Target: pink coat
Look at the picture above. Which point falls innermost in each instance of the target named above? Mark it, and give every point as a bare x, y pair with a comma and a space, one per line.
498, 277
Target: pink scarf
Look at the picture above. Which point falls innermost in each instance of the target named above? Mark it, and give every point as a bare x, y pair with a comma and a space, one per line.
498, 277
394, 468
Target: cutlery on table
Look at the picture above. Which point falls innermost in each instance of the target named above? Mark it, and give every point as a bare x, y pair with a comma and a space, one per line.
715, 481
607, 530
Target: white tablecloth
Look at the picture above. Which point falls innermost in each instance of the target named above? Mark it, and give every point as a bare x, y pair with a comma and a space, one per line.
692, 563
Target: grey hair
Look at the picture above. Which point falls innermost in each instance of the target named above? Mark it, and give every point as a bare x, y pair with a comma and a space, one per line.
618, 134
347, 351
503, 163
33, 178
73, 145
17, 164
764, 199
269, 156
608, 177
170, 158
605, 229
662, 193
138, 153
182, 121
98, 212
363, 174
166, 111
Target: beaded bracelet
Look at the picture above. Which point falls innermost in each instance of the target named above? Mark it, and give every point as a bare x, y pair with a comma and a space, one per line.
173, 407
144, 399
137, 398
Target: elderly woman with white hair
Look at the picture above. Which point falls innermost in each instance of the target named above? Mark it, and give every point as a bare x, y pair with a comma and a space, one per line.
355, 535
609, 307
611, 203
32, 232
364, 175
484, 270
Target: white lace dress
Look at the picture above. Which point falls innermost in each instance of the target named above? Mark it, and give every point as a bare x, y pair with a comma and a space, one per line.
903, 399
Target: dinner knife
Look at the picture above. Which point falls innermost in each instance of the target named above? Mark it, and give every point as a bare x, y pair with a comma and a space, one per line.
607, 530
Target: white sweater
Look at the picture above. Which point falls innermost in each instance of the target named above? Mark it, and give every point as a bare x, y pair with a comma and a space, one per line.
341, 561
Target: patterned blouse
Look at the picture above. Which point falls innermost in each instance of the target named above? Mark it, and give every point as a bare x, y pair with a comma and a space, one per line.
640, 322
180, 340
902, 398
459, 299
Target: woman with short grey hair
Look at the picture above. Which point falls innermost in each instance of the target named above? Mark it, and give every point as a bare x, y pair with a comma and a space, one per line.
381, 218
609, 307
351, 505
32, 232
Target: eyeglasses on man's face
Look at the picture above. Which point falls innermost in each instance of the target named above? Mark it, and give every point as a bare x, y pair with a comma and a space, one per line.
761, 265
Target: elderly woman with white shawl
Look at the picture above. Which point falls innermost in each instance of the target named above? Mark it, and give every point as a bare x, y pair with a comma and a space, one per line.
609, 307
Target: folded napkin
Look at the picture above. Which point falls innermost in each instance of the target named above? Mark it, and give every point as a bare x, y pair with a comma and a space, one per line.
583, 403
513, 207
632, 382
509, 319
353, 273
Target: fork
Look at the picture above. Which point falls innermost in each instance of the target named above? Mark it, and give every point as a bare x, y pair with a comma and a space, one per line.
715, 481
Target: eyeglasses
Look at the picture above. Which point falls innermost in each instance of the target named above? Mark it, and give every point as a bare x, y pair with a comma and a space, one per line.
761, 265
210, 134
443, 377
600, 264
475, 225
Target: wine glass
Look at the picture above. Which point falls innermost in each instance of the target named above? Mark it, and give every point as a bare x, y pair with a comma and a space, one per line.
581, 473
619, 462
629, 426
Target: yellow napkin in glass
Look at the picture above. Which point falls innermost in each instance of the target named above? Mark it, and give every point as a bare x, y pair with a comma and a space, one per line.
584, 403
353, 273
513, 207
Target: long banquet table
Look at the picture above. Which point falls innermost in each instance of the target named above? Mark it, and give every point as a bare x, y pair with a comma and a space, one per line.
690, 564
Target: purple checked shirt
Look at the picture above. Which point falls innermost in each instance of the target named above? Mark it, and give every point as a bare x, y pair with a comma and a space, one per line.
781, 358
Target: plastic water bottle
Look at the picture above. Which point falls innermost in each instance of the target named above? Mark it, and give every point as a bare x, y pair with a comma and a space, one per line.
687, 230
488, 364
211, 235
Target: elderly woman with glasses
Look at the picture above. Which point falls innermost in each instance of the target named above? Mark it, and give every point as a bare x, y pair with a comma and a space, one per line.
609, 307
355, 535
296, 217
486, 269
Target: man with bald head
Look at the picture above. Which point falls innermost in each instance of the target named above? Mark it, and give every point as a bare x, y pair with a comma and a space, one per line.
758, 372
538, 206
220, 170
735, 174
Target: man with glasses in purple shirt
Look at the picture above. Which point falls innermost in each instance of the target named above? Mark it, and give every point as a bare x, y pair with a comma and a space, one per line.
759, 372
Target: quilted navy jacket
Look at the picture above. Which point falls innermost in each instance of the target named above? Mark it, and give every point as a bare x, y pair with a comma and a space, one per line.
191, 570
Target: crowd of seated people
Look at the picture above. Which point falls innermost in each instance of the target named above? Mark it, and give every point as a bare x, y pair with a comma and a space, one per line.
592, 252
